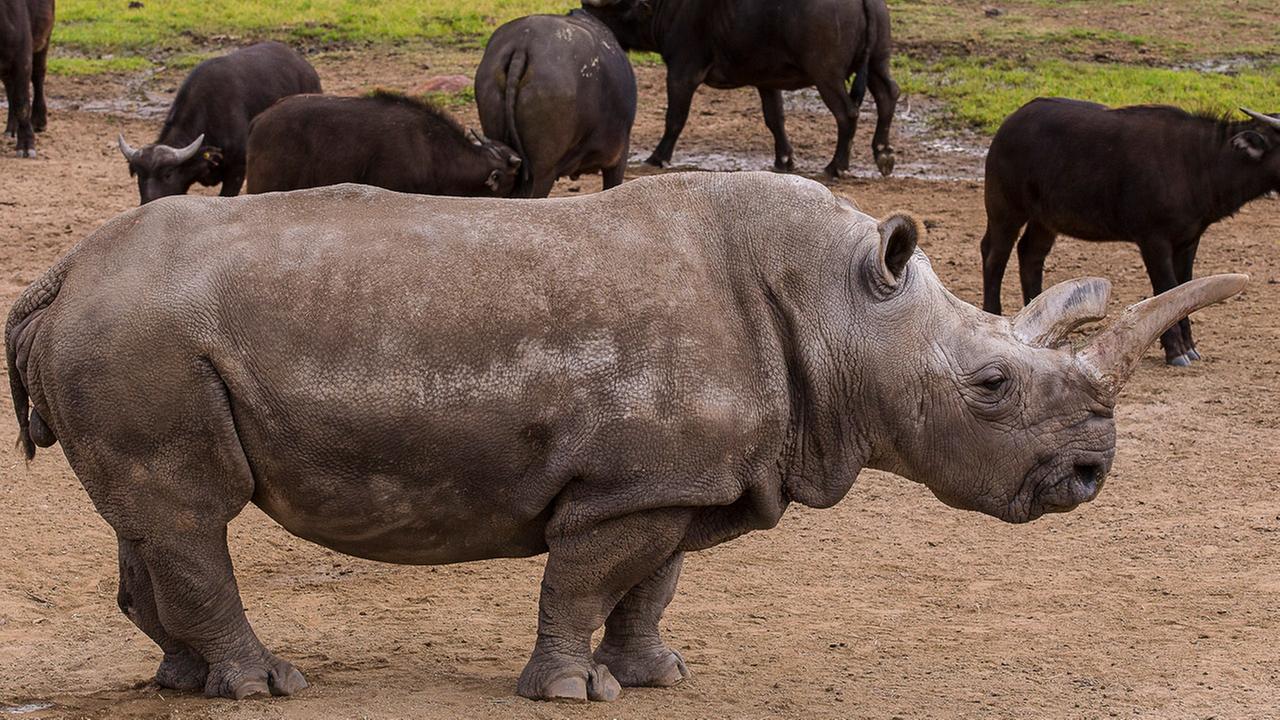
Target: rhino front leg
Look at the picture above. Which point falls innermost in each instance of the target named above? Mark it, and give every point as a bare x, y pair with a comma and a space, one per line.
588, 571
182, 668
198, 603
632, 649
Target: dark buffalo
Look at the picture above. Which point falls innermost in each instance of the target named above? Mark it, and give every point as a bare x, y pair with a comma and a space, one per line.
205, 135
25, 27
1152, 175
773, 46
560, 90
386, 140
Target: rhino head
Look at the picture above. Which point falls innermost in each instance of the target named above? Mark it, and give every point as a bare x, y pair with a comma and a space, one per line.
1000, 415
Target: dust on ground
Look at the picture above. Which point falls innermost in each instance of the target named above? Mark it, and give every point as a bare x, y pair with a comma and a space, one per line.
1157, 600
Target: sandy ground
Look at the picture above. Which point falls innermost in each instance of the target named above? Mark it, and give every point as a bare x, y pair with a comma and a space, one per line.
1157, 600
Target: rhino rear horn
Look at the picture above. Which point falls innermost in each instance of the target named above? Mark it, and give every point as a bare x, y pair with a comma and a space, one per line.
1111, 356
1056, 312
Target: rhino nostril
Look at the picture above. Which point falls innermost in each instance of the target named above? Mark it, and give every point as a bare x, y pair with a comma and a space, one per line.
1089, 474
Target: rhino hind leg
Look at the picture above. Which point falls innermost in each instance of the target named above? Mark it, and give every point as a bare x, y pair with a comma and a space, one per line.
588, 572
632, 648
198, 602
182, 668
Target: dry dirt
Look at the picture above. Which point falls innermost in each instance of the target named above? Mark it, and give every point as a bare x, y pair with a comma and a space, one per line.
1157, 600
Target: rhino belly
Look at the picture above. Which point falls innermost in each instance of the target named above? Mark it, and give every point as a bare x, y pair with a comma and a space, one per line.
399, 519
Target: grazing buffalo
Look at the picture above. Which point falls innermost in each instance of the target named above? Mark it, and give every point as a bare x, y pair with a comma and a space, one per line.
25, 27
773, 46
1152, 175
614, 380
560, 90
386, 139
207, 130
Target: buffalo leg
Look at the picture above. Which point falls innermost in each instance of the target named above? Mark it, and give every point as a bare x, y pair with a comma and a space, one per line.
11, 118
886, 92
612, 176
632, 649
39, 111
997, 245
18, 87
775, 119
198, 603
588, 571
1158, 258
541, 184
1184, 260
846, 115
680, 90
232, 181
182, 668
1033, 248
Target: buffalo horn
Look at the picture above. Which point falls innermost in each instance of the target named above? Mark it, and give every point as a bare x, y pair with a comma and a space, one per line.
126, 149
1264, 119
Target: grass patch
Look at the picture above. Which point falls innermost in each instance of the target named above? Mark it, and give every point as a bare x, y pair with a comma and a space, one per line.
96, 66
982, 92
110, 26
449, 100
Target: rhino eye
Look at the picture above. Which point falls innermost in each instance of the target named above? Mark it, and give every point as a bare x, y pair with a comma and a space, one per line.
994, 383
991, 379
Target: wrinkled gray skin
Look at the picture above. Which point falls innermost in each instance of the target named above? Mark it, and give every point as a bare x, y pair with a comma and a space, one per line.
613, 380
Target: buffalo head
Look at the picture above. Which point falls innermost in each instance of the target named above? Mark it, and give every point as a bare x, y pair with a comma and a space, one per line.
163, 170
631, 21
1261, 143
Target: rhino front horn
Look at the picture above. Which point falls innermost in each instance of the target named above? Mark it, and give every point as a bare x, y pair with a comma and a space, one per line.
1111, 355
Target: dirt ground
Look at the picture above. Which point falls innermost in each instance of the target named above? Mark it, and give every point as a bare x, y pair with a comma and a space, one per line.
1159, 599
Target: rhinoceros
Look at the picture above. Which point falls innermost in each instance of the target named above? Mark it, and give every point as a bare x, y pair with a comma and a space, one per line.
614, 380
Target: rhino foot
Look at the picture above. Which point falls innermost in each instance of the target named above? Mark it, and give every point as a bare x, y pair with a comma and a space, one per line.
568, 684
660, 667
184, 670
238, 680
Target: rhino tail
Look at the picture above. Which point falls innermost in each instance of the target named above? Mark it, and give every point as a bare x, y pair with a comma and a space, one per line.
19, 336
515, 73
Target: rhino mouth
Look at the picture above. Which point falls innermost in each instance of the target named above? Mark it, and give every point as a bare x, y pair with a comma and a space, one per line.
1061, 484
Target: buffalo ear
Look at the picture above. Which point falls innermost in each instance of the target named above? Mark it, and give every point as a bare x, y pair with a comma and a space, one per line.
211, 155
899, 234
494, 181
1251, 143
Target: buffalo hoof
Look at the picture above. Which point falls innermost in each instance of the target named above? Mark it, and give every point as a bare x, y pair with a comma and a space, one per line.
26, 152
661, 667
1193, 355
884, 162
239, 681
657, 162
835, 172
573, 684
183, 670
784, 164
1180, 361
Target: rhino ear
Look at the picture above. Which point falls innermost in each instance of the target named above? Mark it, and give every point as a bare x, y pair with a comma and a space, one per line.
899, 234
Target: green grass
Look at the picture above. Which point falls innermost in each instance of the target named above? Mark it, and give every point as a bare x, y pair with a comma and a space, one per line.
82, 66
110, 26
981, 92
